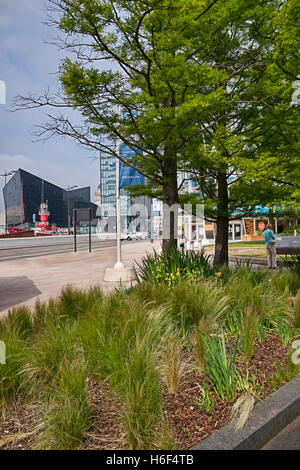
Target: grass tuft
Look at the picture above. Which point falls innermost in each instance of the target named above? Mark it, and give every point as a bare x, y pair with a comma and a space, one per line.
69, 415
174, 367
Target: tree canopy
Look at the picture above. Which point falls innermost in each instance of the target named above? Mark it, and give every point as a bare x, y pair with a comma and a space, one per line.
202, 86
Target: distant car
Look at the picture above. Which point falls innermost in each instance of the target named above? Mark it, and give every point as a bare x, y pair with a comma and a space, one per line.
134, 236
143, 235
126, 236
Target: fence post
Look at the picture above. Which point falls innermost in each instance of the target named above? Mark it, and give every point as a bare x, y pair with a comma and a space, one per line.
75, 227
90, 230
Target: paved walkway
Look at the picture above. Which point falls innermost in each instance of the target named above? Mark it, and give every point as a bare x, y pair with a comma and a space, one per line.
287, 439
24, 281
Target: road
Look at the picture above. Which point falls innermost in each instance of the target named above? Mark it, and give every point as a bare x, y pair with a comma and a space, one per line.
36, 276
50, 247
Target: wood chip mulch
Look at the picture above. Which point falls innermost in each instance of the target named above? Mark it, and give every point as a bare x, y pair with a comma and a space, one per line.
19, 425
106, 431
188, 423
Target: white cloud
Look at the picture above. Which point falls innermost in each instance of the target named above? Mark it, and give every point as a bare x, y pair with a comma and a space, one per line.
27, 66
14, 162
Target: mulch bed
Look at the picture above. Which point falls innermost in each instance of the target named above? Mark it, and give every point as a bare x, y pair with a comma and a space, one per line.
188, 423
19, 426
106, 431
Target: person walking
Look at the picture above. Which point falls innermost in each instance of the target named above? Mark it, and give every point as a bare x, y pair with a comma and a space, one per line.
270, 246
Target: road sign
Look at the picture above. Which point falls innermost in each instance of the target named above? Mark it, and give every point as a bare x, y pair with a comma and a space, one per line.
83, 215
128, 176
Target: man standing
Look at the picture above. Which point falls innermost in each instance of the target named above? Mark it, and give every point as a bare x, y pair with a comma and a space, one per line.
270, 245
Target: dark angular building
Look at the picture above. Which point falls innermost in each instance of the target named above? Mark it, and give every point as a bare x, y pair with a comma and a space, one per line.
24, 193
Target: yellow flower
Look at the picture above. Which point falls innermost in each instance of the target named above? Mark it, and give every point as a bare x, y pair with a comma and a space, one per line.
219, 274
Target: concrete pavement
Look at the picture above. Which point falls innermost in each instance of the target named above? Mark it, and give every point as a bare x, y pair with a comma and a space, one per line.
23, 281
48, 245
287, 439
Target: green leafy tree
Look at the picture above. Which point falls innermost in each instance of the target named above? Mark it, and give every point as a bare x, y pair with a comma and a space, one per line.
243, 154
280, 124
188, 90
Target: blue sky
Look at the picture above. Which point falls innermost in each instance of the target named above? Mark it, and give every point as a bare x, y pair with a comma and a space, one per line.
28, 66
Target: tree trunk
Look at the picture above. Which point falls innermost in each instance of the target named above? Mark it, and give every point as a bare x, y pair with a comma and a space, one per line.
271, 217
170, 198
221, 246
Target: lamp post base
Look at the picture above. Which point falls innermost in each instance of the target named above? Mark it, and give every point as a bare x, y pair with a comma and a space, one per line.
117, 274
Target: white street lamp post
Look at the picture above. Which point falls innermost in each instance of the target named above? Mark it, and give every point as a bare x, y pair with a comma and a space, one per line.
118, 272
119, 264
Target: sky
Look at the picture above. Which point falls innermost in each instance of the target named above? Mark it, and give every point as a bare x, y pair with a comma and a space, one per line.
28, 65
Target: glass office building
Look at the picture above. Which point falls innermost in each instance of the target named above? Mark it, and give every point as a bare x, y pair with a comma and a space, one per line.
135, 212
24, 193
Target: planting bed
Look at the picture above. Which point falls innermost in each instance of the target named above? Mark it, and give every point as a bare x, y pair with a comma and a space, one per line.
159, 366
188, 423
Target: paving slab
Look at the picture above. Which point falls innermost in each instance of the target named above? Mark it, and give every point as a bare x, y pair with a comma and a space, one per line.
287, 439
24, 281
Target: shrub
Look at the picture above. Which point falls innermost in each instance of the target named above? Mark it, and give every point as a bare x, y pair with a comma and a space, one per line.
75, 302
11, 381
172, 266
95, 329
244, 290
18, 322
165, 439
283, 281
57, 342
15, 331
174, 367
124, 347
248, 332
233, 322
290, 230
69, 414
220, 368
285, 372
142, 397
297, 311
152, 293
205, 401
292, 263
205, 301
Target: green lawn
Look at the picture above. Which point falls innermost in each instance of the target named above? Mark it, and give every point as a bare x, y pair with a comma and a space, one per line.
251, 244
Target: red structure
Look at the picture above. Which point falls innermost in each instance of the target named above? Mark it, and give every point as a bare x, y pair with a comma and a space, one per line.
43, 228
12, 230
